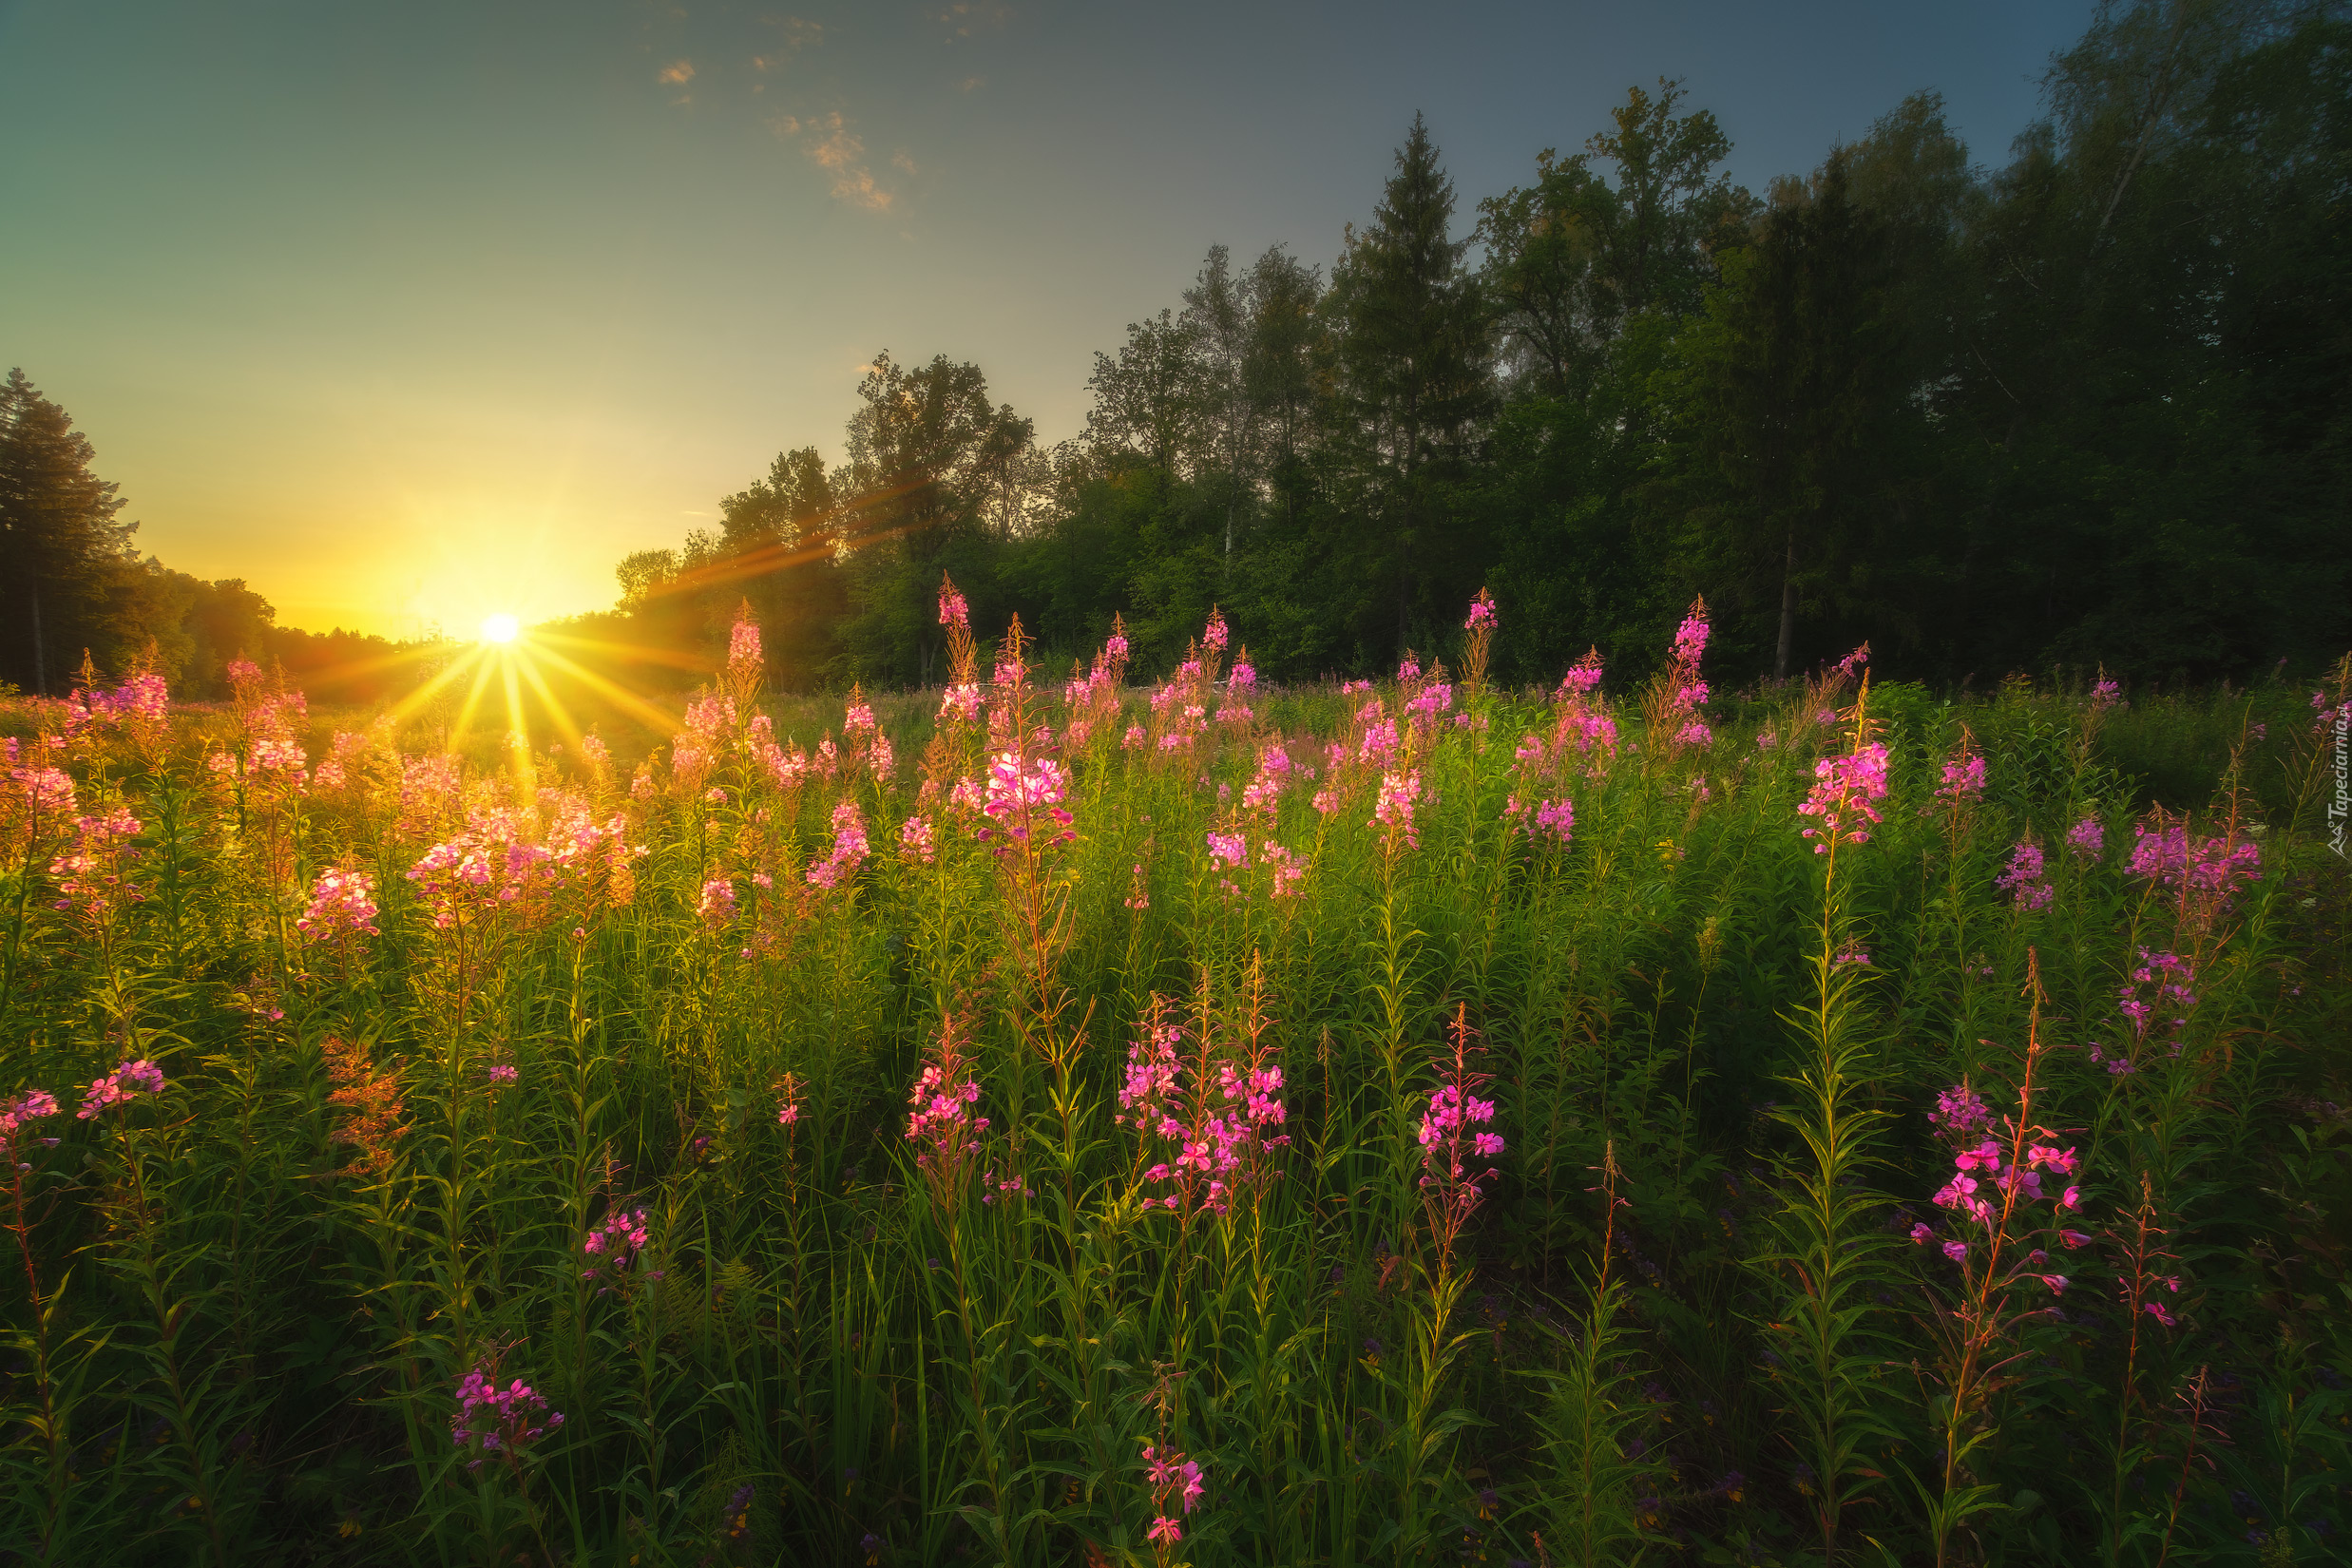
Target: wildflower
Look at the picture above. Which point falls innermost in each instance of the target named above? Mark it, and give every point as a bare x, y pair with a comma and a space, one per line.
1393, 808
1963, 776
501, 1073
1016, 792
94, 873
125, 1083
2214, 867
1956, 1251
1843, 796
1556, 820
717, 904
2087, 838
2024, 879
368, 1104
849, 848
491, 1420
342, 902
1921, 1233
2156, 1311
915, 840
615, 1244
1481, 612
743, 652
1176, 1485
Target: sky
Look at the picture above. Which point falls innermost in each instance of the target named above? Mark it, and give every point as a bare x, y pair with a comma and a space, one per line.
408, 314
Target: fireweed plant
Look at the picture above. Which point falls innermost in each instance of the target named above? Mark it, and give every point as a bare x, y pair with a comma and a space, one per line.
1067, 1116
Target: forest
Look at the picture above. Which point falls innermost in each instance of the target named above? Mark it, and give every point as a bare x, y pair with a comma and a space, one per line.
2088, 406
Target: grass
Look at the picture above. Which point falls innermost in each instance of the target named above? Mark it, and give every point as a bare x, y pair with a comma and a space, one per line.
1175, 1178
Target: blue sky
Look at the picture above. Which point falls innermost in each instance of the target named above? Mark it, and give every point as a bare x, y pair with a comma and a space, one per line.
409, 313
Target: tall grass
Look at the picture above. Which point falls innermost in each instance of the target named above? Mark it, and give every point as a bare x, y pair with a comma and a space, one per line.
1088, 1124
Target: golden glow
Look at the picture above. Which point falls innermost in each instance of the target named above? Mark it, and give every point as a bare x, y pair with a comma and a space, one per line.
500, 628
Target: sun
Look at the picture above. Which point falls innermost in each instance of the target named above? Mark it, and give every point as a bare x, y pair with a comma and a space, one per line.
500, 628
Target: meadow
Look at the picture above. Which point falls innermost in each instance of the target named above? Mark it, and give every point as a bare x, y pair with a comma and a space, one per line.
1078, 1121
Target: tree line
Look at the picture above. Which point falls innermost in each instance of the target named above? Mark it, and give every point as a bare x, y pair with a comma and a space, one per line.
73, 585
2089, 406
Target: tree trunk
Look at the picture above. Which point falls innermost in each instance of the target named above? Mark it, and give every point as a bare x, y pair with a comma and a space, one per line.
1787, 607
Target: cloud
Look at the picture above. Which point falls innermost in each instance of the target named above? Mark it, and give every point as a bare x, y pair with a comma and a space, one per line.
971, 83
965, 17
841, 153
902, 160
677, 73
799, 35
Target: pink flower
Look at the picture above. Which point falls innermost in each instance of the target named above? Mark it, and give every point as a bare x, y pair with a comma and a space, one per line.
491, 1420
2156, 1311
125, 1083
343, 902
849, 848
1164, 1532
743, 645
1963, 778
1921, 1233
717, 906
2024, 879
30, 1106
1481, 612
2087, 838
1844, 796
1956, 1251
1393, 808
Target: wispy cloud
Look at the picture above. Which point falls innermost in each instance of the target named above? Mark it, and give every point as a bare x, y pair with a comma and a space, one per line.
841, 153
677, 73
797, 35
966, 17
904, 161
972, 83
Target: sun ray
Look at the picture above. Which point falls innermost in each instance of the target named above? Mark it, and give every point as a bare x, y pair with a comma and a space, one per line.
566, 727
406, 708
659, 722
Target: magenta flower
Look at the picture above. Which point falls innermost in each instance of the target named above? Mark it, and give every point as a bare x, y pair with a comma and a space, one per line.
1481, 612
125, 1083
94, 873
1393, 808
494, 1421
1963, 777
2023, 880
1956, 1251
1556, 820
1175, 1486
1017, 794
953, 611
743, 652
717, 904
615, 1244
30, 1106
2087, 839
1921, 1233
342, 904
1844, 796
849, 848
